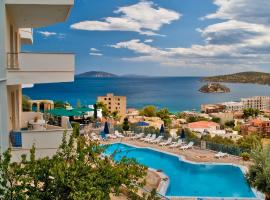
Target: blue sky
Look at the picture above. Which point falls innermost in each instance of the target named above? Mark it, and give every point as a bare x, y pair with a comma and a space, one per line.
163, 37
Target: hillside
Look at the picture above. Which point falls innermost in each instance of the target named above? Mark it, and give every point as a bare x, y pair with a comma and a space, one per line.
95, 74
242, 77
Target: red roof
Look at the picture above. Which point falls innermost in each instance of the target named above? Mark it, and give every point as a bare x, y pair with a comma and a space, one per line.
203, 124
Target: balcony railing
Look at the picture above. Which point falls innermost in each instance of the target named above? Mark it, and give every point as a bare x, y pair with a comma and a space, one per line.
12, 61
30, 68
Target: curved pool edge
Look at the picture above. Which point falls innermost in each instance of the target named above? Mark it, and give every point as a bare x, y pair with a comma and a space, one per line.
258, 195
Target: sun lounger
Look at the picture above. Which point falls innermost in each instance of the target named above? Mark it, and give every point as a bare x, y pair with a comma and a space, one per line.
112, 136
157, 140
188, 146
168, 142
220, 155
138, 136
147, 137
176, 144
153, 137
119, 135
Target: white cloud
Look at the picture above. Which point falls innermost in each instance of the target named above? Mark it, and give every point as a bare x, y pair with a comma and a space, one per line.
240, 42
148, 40
47, 33
253, 11
95, 54
94, 50
144, 17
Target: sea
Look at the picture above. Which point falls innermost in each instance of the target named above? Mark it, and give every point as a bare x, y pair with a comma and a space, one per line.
175, 93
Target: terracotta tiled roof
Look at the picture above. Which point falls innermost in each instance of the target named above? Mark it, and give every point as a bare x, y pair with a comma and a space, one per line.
202, 124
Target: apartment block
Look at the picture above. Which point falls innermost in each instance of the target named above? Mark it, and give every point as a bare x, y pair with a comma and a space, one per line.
233, 106
17, 20
257, 102
115, 103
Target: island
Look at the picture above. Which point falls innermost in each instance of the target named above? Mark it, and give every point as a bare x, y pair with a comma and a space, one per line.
96, 74
214, 88
242, 77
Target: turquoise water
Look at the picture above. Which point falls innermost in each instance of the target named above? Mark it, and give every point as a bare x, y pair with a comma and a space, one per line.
175, 93
188, 179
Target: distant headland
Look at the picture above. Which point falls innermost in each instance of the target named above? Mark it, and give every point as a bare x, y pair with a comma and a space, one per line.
242, 77
96, 74
102, 74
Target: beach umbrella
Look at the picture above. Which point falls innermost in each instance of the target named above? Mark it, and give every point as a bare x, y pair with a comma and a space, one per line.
183, 134
106, 128
162, 130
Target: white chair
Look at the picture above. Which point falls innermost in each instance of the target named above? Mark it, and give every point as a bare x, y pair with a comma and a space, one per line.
138, 136
168, 142
176, 144
157, 140
221, 155
144, 138
188, 146
151, 138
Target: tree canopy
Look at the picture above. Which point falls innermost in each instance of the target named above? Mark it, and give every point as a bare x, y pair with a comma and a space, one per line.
259, 172
76, 172
149, 111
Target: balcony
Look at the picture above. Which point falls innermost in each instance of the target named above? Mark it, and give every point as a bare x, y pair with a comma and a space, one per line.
26, 35
31, 68
46, 139
38, 13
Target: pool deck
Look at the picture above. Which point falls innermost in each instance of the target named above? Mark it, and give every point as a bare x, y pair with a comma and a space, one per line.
195, 154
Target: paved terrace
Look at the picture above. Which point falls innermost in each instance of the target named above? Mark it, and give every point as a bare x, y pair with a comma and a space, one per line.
194, 155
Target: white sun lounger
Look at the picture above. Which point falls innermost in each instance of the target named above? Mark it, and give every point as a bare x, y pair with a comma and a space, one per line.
138, 136
168, 142
94, 137
157, 140
147, 137
153, 137
188, 146
176, 144
220, 155
119, 135
112, 136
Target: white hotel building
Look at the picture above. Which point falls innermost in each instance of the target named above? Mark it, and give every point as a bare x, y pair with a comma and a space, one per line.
17, 18
256, 102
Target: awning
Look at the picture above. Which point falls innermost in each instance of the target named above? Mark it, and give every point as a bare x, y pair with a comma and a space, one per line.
64, 112
83, 109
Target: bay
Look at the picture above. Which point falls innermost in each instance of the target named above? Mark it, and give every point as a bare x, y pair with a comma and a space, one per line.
175, 93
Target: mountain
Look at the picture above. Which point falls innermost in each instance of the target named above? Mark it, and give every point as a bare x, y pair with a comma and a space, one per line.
242, 77
99, 74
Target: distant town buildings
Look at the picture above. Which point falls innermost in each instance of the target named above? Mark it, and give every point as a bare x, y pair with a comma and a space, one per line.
261, 103
233, 106
258, 126
115, 103
257, 102
212, 108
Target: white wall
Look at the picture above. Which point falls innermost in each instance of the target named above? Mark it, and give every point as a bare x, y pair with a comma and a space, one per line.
4, 136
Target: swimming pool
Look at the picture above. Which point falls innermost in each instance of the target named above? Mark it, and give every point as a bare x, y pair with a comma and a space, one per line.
188, 179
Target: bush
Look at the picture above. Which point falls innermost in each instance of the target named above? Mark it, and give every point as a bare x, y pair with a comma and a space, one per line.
245, 156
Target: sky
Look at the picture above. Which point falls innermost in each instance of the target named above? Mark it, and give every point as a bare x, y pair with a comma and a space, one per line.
163, 37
